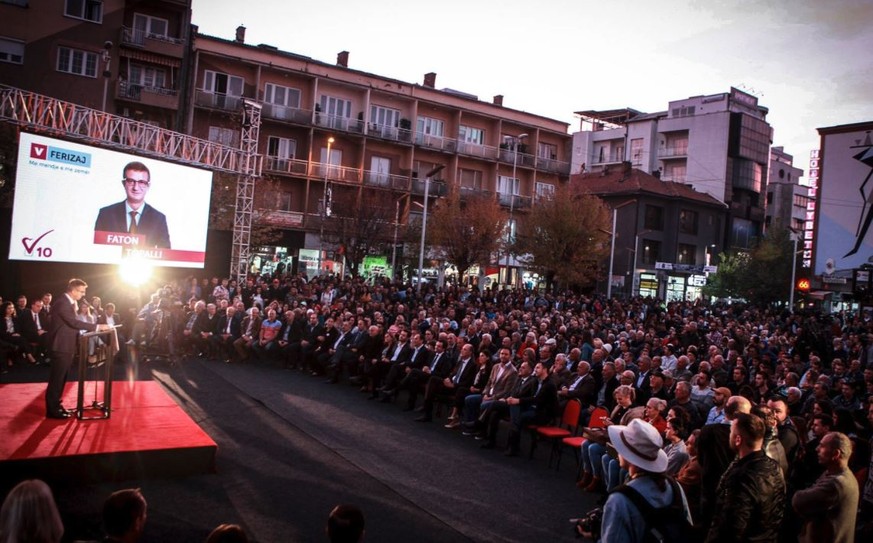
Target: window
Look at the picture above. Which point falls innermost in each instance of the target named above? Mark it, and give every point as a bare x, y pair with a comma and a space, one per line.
336, 107
651, 252
430, 127
148, 26
90, 10
545, 190
654, 217
281, 96
676, 173
11, 51
384, 116
74, 61
468, 134
282, 148
637, 151
688, 221
507, 185
224, 136
380, 170
147, 76
470, 179
547, 151
687, 254
283, 201
220, 83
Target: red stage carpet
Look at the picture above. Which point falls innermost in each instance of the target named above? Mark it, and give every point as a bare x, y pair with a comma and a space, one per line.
148, 434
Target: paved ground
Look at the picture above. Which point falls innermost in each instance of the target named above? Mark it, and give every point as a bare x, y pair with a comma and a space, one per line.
291, 446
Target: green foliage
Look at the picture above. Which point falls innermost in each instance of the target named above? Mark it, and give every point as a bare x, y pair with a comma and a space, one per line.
761, 276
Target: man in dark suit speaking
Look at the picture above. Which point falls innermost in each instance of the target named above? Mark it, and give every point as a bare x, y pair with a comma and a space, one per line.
133, 215
62, 335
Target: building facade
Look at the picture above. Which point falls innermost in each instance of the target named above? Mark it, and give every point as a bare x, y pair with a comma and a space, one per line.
718, 144
666, 233
338, 141
787, 199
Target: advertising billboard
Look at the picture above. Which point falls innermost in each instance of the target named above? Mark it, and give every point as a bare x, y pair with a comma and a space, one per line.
845, 208
79, 203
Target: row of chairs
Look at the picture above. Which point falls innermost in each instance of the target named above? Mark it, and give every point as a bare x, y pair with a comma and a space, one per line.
566, 433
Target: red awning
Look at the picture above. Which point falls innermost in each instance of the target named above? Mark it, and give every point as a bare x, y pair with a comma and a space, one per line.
151, 58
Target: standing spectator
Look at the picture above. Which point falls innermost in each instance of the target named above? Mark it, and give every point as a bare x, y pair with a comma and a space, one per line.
828, 508
29, 514
750, 499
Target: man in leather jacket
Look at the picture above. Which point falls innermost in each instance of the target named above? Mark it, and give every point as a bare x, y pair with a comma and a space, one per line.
750, 500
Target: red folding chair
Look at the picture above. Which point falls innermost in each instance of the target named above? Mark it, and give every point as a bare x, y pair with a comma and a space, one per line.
575, 442
566, 428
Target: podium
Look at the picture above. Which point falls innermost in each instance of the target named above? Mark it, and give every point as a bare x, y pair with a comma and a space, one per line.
105, 353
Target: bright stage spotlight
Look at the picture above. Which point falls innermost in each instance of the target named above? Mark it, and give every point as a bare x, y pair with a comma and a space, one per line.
135, 271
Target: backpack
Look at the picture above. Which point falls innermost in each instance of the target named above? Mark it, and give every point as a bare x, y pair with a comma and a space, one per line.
663, 524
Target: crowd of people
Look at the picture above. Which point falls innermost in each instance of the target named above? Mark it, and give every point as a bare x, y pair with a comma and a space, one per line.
726, 393
29, 515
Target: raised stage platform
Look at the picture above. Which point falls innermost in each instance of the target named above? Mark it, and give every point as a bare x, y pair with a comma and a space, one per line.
147, 435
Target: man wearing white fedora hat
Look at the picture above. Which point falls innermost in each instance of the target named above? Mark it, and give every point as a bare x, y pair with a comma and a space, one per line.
639, 446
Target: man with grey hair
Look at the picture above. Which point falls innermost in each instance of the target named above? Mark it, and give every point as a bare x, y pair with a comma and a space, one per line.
828, 508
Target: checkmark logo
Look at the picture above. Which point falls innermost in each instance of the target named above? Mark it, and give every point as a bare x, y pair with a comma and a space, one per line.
30, 243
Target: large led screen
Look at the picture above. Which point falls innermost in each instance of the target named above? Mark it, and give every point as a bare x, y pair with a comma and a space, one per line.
78, 203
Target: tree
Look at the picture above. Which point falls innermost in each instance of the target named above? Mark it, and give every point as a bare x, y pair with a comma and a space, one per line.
468, 232
566, 236
222, 208
762, 275
730, 279
360, 228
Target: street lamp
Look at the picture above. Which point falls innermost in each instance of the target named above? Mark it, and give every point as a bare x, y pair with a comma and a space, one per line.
794, 235
612, 247
427, 177
512, 190
636, 252
324, 214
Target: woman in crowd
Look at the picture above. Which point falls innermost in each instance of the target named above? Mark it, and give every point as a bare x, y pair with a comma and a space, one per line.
29, 514
10, 333
594, 447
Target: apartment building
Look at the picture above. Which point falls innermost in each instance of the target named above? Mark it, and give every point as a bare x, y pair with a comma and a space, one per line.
788, 201
117, 56
718, 144
333, 134
666, 233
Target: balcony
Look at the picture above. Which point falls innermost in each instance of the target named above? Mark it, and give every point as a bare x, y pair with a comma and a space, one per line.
216, 100
288, 166
148, 96
284, 113
391, 133
553, 166
515, 202
281, 219
387, 180
162, 45
437, 187
342, 124
436, 142
476, 150
678, 151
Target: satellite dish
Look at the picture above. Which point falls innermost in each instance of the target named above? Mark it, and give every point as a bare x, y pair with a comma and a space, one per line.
830, 266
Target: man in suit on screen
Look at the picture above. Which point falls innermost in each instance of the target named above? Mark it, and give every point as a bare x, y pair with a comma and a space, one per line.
133, 215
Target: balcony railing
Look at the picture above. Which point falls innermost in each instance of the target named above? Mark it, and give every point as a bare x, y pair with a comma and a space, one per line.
520, 202
673, 152
436, 142
153, 42
386, 180
476, 150
392, 133
437, 187
150, 96
285, 113
336, 122
614, 158
216, 100
552, 165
